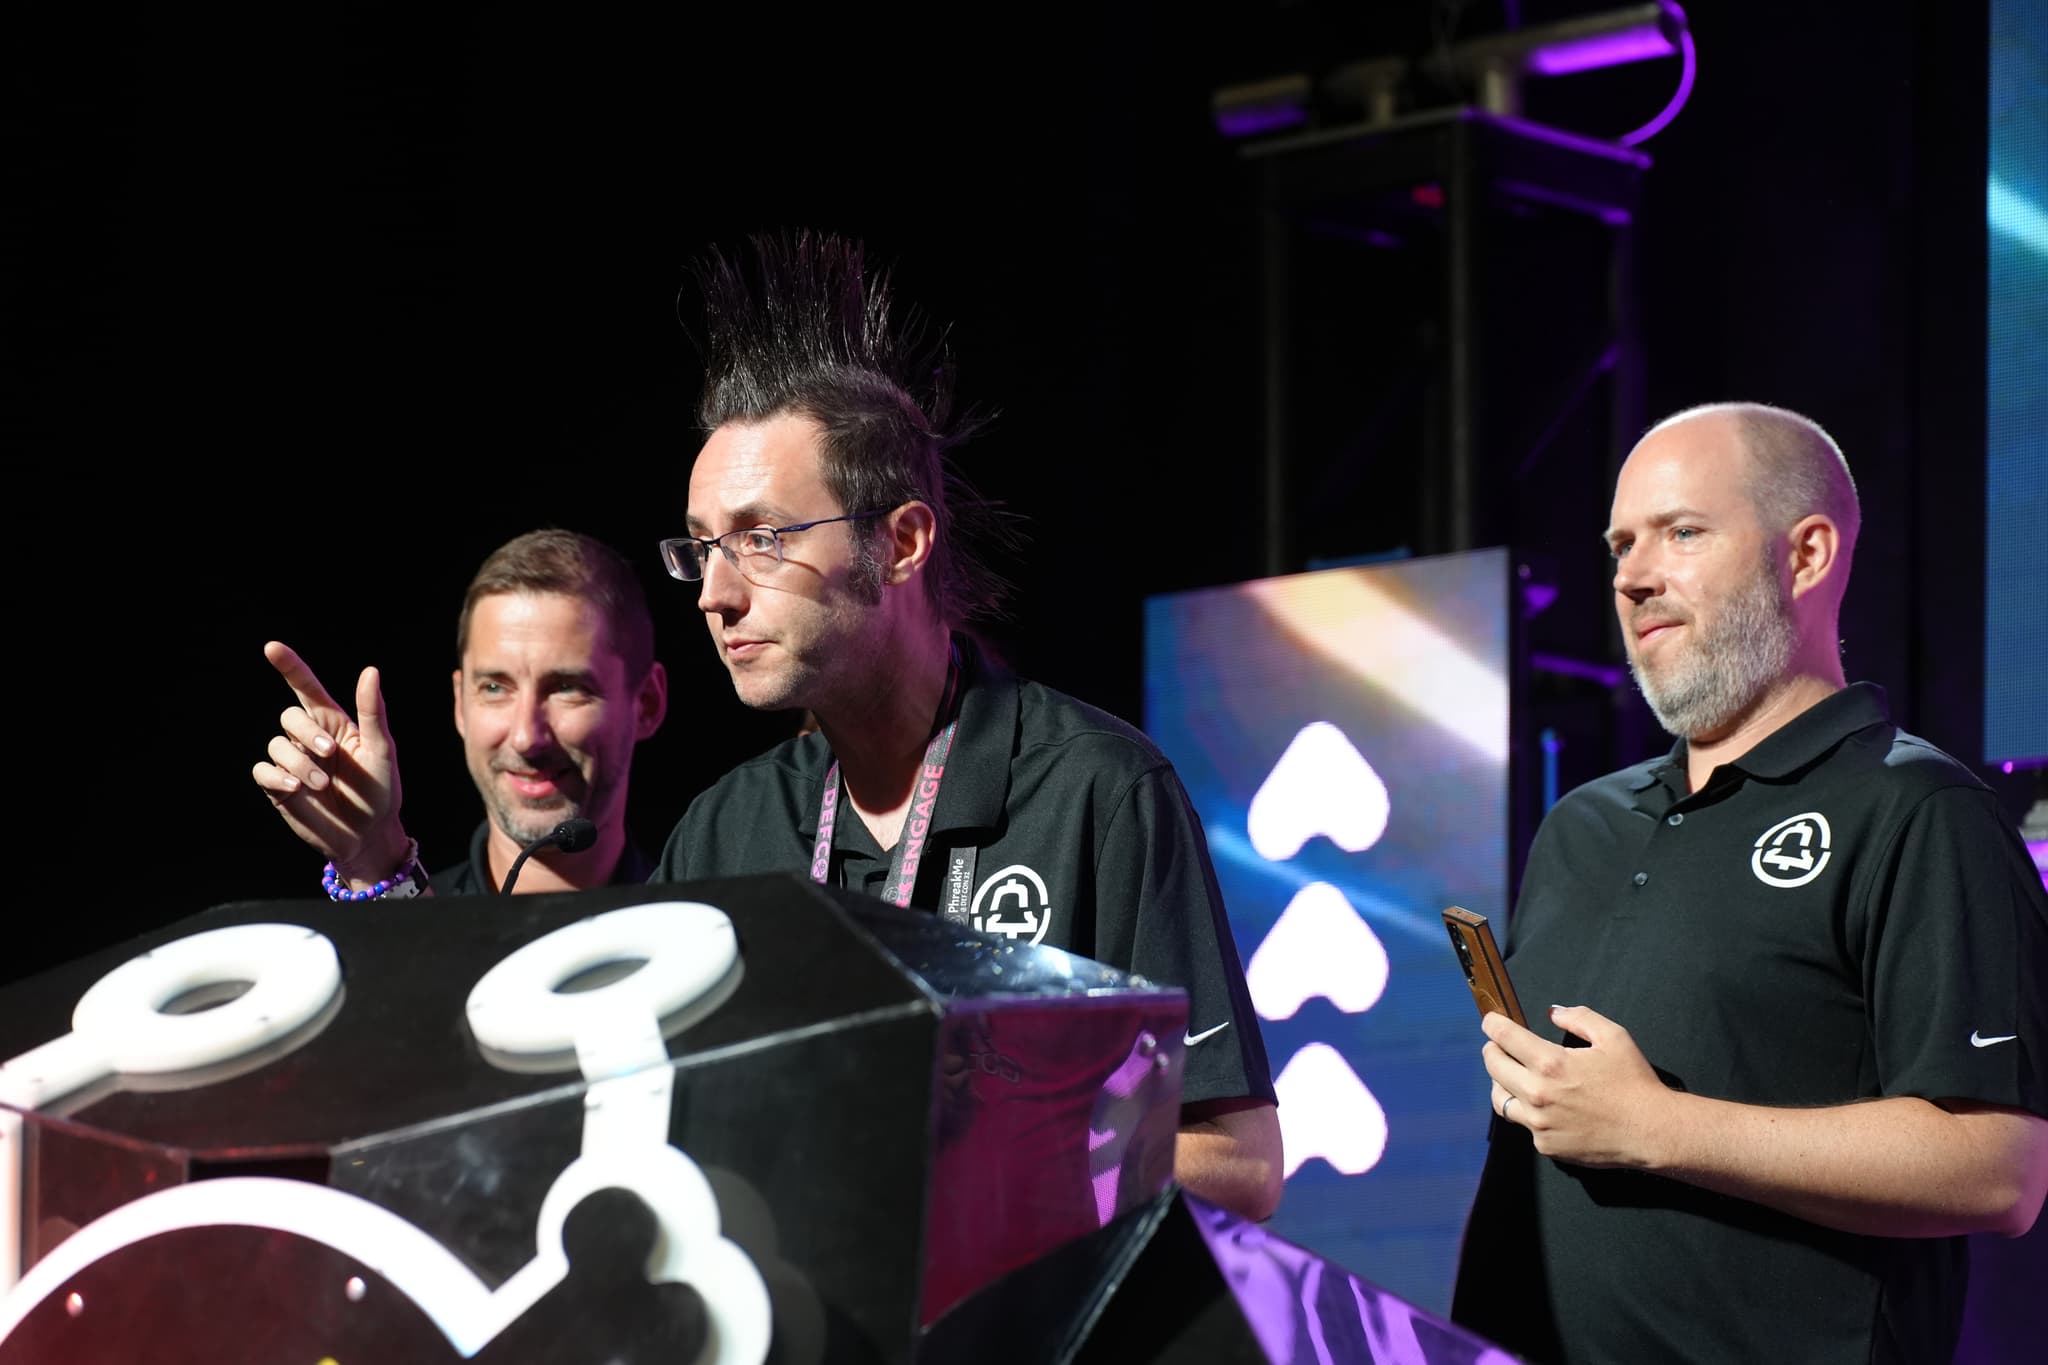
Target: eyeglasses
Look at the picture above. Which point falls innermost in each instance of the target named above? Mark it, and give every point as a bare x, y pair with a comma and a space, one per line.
760, 546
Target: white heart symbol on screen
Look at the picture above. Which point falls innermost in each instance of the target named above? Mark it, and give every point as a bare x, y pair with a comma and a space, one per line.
1326, 1111
1321, 785
1318, 946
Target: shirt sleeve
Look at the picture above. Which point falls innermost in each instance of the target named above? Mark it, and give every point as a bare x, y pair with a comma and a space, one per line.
1959, 934
1159, 910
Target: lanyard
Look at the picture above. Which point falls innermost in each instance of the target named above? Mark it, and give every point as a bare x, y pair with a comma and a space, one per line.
917, 823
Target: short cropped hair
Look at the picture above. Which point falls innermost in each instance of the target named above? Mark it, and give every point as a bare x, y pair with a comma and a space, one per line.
573, 565
1794, 468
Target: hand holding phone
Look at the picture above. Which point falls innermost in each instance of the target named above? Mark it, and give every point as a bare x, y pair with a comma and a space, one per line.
1485, 973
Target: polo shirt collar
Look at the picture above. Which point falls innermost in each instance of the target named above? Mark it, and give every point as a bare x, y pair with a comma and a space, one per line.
1814, 731
977, 782
1797, 743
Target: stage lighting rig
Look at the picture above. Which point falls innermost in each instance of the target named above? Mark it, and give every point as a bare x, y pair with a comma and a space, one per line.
1488, 71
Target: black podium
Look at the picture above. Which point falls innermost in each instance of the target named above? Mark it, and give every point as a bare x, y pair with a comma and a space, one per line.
735, 1121
1182, 1282
881, 1114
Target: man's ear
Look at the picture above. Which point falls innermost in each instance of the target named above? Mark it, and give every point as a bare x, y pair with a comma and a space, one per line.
461, 726
912, 534
650, 703
1814, 546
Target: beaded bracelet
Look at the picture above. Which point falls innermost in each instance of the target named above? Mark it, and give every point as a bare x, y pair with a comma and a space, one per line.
330, 880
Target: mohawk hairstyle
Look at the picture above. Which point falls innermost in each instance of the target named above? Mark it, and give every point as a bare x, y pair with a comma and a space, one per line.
800, 327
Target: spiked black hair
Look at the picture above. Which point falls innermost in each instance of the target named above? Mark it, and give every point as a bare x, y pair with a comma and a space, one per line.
799, 326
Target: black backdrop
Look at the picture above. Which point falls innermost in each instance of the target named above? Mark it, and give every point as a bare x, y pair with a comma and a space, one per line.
307, 310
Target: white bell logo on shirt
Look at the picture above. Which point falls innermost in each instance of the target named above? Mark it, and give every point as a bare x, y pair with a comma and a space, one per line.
1792, 852
1012, 902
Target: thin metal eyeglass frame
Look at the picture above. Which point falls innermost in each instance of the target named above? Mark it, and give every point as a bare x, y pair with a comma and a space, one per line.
673, 558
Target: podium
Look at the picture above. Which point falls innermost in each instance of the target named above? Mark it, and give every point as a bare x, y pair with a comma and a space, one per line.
728, 1121
1182, 1282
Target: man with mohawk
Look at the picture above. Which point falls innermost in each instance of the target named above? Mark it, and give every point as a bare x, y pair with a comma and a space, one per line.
836, 552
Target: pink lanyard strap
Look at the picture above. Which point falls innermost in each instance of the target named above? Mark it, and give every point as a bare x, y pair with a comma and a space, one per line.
917, 824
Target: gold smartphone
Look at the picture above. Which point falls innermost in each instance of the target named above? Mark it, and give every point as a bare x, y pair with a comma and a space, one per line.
1485, 973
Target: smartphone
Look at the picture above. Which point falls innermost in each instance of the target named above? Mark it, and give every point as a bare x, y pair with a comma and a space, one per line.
1485, 973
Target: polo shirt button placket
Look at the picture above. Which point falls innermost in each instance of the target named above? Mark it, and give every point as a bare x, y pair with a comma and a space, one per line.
1675, 818
1641, 878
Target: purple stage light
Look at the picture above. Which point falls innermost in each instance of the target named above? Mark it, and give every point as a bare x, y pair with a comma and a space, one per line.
1252, 122
1494, 65
1670, 111
1262, 106
1662, 34
1577, 142
1604, 49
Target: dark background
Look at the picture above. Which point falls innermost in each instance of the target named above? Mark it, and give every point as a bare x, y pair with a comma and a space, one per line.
307, 309
311, 309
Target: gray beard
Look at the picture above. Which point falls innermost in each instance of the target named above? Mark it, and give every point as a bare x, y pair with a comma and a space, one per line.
1728, 666
526, 826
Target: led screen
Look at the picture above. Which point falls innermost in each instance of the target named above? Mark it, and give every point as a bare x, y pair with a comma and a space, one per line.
1344, 736
2016, 383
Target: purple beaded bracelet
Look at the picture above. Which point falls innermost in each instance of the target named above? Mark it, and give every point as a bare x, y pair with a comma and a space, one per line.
330, 880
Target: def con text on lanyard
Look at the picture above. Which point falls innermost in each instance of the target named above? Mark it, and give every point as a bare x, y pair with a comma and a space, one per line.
917, 824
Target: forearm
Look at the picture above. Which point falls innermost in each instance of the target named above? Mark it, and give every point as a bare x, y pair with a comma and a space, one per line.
1233, 1160
1899, 1167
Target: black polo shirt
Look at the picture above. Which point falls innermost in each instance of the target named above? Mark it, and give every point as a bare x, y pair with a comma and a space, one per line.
1843, 913
1083, 839
473, 878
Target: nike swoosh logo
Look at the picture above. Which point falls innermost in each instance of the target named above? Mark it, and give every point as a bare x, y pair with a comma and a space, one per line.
1192, 1038
1976, 1041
